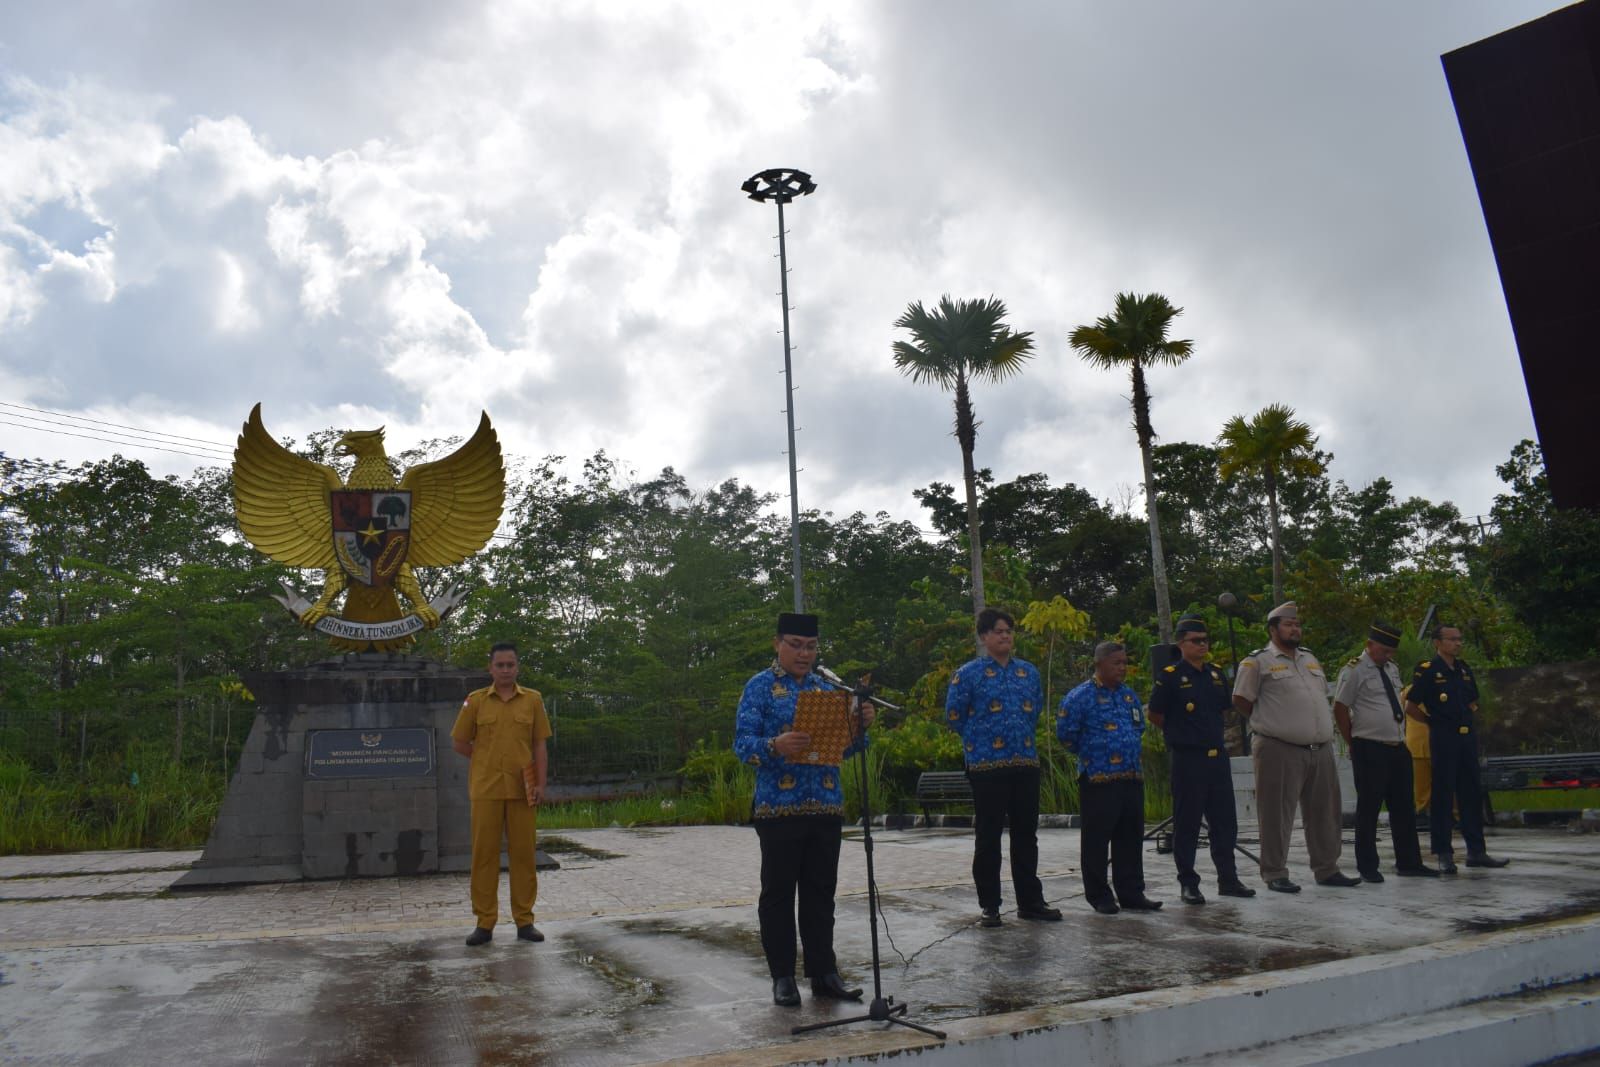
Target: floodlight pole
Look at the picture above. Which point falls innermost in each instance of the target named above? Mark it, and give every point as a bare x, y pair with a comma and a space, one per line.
781, 185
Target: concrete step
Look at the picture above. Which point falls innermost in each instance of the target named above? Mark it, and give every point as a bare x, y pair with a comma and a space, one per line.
1524, 1028
1518, 996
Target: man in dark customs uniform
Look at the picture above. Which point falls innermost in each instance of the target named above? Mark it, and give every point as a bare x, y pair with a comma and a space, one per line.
1444, 695
1366, 708
1188, 700
798, 812
994, 703
1101, 722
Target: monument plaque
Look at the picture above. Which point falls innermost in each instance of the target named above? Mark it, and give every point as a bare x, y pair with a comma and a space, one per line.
404, 752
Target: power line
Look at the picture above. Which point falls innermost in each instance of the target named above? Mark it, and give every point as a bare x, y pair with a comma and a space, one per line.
118, 426
213, 457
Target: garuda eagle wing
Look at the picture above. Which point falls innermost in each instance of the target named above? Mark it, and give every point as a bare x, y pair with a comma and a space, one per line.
281, 499
456, 501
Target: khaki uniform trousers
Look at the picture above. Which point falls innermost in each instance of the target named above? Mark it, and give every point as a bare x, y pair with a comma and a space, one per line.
517, 823
1421, 781
1290, 776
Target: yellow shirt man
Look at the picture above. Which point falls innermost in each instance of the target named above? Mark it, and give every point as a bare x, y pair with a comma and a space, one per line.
502, 729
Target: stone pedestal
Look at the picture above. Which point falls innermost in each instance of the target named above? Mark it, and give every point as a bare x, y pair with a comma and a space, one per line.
346, 804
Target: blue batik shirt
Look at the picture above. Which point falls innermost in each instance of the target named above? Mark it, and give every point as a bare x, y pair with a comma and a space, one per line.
1104, 728
783, 788
995, 709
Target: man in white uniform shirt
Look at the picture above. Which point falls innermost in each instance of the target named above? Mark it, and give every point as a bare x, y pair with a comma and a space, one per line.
1367, 708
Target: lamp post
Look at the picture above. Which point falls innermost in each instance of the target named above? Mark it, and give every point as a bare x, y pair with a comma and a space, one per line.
781, 185
1228, 604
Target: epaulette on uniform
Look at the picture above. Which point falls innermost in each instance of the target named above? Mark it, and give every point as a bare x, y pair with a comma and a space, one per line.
1353, 661
1425, 664
1171, 668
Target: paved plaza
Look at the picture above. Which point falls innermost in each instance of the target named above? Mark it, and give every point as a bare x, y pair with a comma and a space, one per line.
652, 952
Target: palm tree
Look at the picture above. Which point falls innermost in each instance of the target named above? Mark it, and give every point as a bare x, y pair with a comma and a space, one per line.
1134, 335
1272, 442
959, 341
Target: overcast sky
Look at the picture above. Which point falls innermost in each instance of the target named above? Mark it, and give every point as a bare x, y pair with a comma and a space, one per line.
399, 213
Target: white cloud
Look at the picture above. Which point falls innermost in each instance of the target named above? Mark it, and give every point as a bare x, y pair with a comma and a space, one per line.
402, 212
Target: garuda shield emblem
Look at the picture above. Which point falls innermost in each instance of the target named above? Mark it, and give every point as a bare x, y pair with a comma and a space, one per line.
366, 532
371, 533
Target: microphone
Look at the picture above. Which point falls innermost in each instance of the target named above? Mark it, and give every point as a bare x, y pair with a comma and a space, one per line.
862, 692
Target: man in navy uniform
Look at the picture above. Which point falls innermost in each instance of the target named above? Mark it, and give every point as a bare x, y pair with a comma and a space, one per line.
1101, 722
1444, 695
994, 704
798, 812
1189, 700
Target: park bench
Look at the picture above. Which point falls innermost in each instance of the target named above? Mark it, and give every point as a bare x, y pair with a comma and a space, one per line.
1577, 770
942, 787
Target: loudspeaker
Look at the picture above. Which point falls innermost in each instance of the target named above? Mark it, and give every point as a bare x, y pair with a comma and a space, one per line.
1162, 656
1528, 101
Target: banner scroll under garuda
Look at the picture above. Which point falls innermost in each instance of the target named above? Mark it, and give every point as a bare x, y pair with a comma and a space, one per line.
366, 533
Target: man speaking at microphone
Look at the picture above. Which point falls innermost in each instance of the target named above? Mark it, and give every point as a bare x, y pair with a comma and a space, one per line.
798, 812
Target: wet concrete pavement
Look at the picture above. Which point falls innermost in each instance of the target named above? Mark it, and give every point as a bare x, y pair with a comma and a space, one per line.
652, 951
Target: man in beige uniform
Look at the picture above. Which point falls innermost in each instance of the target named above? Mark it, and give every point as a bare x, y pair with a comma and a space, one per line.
1282, 689
502, 729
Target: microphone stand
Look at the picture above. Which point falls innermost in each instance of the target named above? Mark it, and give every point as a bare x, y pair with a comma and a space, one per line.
882, 1009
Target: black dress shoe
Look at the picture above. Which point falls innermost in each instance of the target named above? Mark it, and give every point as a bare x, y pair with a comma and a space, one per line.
1375, 877
1282, 885
832, 987
1447, 865
479, 936
1421, 870
1191, 895
785, 994
1340, 881
1106, 907
1236, 889
990, 917
529, 932
1041, 912
1483, 859
1142, 904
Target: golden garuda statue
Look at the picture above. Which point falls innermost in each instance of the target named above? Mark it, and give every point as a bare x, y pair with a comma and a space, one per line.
366, 533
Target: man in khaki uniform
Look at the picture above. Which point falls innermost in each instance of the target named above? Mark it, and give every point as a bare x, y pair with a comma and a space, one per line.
502, 728
1283, 691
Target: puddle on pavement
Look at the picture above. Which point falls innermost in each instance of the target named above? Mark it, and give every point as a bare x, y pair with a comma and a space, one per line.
117, 872
630, 990
1585, 904
565, 846
743, 940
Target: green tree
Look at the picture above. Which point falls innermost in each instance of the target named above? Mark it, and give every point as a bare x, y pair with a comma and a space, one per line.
1545, 560
1055, 619
958, 342
1273, 442
1134, 336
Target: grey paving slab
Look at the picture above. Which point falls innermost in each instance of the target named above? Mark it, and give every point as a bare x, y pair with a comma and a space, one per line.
652, 950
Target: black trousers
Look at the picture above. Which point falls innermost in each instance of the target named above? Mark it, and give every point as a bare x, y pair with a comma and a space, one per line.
798, 853
1202, 787
1455, 780
1383, 778
1112, 816
1007, 795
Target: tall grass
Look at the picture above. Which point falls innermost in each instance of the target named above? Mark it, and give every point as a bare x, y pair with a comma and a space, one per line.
135, 799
